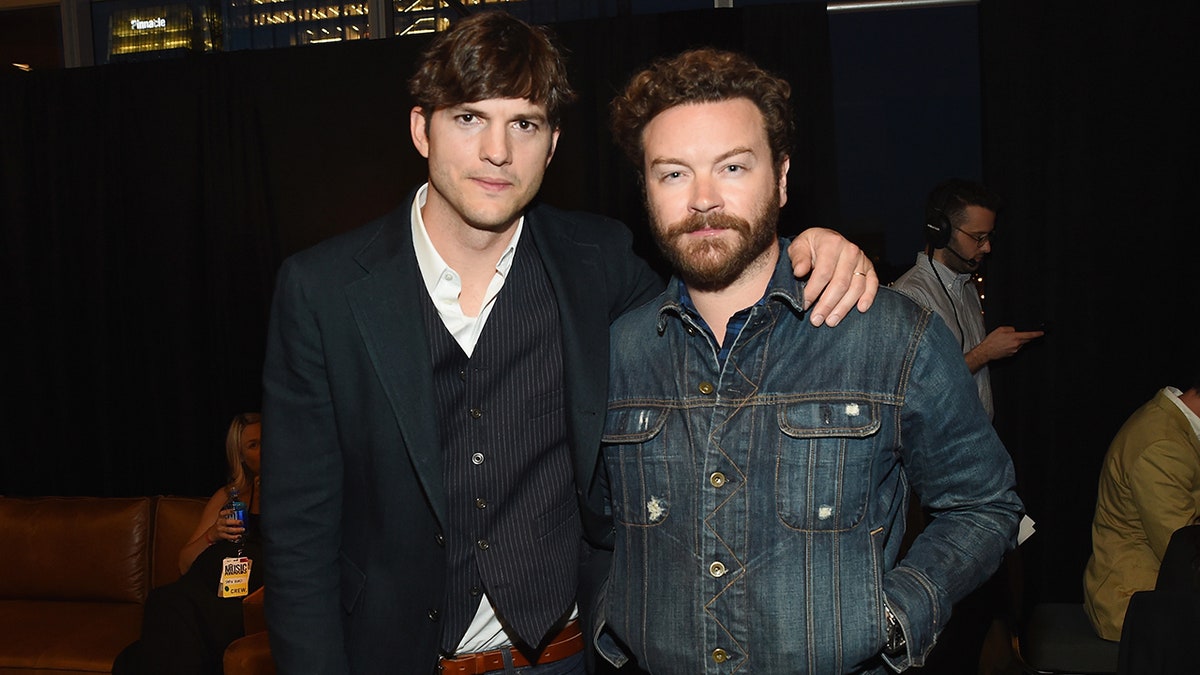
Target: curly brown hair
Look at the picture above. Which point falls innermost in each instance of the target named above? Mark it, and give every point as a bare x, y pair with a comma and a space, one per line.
492, 55
702, 76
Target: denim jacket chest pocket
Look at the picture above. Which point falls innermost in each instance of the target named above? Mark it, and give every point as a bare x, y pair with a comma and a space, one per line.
636, 456
824, 463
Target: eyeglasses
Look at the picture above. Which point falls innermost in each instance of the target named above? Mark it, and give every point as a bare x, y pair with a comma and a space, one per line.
980, 239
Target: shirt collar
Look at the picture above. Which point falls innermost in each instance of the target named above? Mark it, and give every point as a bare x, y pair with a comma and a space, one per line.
784, 287
434, 269
1173, 394
924, 258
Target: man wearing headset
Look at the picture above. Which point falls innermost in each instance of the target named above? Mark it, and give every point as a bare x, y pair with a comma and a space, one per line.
960, 217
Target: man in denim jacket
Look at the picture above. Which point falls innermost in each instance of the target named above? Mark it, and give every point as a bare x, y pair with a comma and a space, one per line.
758, 466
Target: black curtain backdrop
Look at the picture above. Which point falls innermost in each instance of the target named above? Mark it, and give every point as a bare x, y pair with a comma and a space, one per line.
145, 208
1089, 117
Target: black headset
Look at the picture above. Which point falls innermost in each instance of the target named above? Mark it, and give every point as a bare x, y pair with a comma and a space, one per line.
937, 235
937, 225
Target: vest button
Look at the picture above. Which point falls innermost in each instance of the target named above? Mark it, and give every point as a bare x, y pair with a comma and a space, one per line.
462, 374
706, 388
720, 655
474, 591
433, 615
483, 544
476, 413
481, 503
441, 541
717, 479
717, 569
477, 458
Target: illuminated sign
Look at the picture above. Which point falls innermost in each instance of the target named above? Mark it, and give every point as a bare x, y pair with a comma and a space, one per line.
148, 24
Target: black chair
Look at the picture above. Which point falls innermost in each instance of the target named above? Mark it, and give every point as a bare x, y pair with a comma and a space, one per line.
1161, 626
1059, 640
1180, 568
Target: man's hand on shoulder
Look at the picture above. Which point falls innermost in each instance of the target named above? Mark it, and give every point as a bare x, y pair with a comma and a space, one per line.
840, 276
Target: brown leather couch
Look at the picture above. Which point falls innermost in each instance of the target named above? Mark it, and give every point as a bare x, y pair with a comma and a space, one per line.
251, 655
75, 572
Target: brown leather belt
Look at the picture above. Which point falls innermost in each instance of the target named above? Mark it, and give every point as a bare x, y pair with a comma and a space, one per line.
569, 642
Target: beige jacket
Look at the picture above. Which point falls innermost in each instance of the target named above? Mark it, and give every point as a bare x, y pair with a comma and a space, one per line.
1149, 487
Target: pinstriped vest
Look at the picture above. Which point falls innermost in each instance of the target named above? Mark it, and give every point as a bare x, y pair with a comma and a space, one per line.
514, 529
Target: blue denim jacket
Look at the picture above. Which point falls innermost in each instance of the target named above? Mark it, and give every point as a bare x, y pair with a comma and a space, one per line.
760, 505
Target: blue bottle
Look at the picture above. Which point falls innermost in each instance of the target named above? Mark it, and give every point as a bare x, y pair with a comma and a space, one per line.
238, 507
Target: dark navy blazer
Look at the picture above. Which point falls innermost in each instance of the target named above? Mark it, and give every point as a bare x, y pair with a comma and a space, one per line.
353, 501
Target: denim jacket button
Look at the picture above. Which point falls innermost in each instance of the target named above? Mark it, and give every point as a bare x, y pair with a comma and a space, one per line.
720, 655
706, 388
717, 569
717, 479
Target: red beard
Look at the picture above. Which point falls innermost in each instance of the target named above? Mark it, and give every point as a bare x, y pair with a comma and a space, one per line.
712, 263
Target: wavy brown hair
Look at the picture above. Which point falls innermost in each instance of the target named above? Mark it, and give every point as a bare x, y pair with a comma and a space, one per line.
702, 76
492, 55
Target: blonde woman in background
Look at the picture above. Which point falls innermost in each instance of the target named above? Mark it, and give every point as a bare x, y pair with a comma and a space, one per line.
187, 625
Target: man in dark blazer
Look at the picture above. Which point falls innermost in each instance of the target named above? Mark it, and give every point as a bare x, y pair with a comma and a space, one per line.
428, 497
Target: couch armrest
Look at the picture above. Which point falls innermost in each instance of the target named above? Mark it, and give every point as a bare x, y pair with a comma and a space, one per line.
250, 655
253, 618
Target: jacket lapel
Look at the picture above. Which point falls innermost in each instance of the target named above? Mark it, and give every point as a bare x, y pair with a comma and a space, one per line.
386, 308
